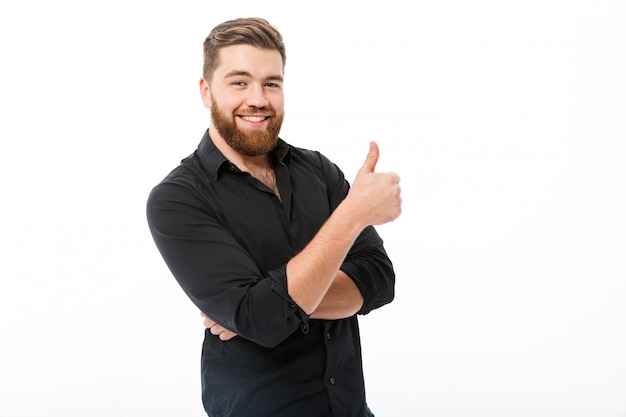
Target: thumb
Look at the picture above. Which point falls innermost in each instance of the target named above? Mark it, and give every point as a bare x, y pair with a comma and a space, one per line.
372, 158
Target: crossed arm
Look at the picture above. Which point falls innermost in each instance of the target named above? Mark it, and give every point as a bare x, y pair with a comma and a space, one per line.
343, 299
314, 279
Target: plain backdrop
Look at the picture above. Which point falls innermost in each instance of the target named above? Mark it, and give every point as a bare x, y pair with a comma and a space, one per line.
505, 120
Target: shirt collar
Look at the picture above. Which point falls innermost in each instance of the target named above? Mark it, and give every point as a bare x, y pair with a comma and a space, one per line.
216, 162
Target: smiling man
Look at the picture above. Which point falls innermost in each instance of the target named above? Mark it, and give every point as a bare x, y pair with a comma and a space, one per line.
272, 244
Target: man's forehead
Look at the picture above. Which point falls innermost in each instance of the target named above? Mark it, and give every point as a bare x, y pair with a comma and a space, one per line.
249, 59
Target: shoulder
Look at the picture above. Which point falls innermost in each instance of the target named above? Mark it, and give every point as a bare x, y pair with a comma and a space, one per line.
185, 179
189, 173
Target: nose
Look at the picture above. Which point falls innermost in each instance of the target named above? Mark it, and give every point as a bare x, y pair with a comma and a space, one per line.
256, 96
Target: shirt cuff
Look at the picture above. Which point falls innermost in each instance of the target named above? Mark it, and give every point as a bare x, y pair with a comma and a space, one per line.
278, 284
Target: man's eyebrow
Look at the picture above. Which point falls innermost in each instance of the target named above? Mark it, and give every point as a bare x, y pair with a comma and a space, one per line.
240, 73
275, 78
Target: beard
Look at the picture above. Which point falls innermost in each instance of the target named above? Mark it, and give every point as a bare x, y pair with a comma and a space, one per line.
249, 142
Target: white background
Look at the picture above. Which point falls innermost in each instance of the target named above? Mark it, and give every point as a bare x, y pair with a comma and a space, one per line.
505, 120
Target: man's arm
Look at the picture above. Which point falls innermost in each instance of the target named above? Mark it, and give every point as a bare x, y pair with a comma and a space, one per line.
373, 199
343, 299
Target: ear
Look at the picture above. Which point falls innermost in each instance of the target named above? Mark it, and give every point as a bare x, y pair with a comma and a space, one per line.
205, 93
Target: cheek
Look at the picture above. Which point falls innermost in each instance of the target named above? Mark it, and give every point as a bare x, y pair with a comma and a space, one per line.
230, 103
278, 103
226, 100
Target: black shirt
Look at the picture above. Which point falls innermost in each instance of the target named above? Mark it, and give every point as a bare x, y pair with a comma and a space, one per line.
227, 238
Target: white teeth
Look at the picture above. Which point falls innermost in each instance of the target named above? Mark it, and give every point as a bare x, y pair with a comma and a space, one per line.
253, 118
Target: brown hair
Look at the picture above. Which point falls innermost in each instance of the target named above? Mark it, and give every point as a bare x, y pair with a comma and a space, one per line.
252, 31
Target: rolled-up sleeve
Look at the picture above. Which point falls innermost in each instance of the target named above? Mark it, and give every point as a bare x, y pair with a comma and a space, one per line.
216, 272
368, 265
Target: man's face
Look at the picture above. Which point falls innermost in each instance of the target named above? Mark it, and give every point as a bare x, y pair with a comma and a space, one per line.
246, 98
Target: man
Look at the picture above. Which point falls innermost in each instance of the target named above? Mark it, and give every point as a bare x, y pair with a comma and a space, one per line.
272, 244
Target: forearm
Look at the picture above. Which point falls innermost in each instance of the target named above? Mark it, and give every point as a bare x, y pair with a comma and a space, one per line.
311, 273
343, 299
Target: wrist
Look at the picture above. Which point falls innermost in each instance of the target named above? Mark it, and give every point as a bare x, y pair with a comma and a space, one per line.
348, 219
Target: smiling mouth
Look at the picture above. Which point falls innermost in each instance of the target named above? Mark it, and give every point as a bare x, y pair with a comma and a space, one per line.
254, 119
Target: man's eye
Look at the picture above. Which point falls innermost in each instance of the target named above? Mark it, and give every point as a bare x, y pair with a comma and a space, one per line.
239, 83
272, 85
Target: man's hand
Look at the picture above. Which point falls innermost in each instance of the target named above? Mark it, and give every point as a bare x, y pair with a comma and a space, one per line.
374, 196
217, 330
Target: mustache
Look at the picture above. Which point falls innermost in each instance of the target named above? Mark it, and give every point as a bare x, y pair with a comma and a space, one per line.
251, 111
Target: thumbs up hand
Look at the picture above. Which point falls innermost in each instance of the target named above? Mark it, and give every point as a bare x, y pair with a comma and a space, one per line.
371, 159
375, 197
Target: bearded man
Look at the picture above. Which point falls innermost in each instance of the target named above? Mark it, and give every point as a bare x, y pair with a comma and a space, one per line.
272, 244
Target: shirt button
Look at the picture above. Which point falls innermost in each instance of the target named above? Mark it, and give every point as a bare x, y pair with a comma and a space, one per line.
328, 336
332, 381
